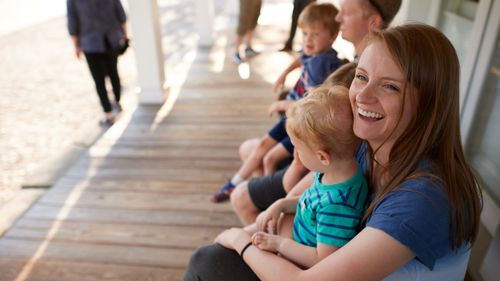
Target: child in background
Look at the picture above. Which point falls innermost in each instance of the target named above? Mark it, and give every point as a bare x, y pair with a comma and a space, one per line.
318, 60
328, 213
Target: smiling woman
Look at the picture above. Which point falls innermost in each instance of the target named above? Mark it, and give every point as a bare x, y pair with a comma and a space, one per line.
425, 210
377, 98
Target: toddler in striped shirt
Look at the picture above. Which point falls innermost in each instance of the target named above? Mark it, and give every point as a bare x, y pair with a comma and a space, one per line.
328, 213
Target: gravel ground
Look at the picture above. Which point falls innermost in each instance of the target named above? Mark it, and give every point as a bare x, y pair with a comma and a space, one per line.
47, 101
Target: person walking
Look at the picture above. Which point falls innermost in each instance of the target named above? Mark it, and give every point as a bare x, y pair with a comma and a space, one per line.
98, 29
298, 6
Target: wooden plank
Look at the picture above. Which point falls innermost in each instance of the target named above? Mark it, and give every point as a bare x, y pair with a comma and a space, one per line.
113, 161
174, 236
202, 119
218, 134
138, 150
134, 200
96, 253
119, 185
192, 185
61, 270
111, 139
154, 173
146, 217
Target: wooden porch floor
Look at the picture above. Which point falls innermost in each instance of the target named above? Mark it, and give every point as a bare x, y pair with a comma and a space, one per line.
137, 203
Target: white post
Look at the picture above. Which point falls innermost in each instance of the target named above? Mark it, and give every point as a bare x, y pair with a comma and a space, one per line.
145, 25
205, 21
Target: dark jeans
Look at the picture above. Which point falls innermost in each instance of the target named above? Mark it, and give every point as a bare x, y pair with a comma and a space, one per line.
216, 263
102, 65
298, 6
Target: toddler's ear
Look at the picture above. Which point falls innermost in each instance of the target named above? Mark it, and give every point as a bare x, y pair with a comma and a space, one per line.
324, 157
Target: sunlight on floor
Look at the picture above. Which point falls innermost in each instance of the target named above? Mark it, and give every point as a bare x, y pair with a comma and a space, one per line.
218, 54
73, 198
176, 79
244, 70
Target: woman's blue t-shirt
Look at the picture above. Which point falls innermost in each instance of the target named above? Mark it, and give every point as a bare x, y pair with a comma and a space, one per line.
417, 215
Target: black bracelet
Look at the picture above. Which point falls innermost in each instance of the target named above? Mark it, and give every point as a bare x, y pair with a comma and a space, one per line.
245, 248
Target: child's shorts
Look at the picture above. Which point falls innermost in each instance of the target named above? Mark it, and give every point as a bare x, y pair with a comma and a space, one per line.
265, 190
279, 134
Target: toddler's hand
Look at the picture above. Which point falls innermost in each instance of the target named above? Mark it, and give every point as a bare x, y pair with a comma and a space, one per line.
267, 242
275, 107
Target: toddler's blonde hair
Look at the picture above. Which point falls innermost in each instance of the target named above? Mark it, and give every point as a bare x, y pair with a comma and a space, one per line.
323, 120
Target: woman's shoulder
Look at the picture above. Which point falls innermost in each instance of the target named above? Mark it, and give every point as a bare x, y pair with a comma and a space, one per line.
417, 215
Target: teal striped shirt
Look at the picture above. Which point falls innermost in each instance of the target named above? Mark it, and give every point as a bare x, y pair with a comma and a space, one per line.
330, 214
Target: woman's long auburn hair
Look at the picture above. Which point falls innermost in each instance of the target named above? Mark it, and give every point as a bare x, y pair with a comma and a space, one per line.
431, 68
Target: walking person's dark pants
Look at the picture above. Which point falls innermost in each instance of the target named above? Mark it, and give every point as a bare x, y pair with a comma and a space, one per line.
216, 263
102, 65
298, 6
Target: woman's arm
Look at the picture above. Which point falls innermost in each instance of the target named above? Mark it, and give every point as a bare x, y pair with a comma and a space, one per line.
371, 255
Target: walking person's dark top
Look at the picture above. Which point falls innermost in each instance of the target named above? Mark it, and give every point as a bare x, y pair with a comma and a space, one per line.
98, 28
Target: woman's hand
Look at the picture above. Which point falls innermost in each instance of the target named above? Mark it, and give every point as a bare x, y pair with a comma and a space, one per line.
78, 52
233, 238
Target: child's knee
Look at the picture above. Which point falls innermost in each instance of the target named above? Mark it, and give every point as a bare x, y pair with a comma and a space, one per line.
247, 147
239, 196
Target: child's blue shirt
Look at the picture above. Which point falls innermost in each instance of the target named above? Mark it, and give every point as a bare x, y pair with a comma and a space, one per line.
330, 213
315, 69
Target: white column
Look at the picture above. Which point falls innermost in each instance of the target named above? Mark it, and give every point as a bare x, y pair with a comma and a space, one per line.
145, 27
205, 21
